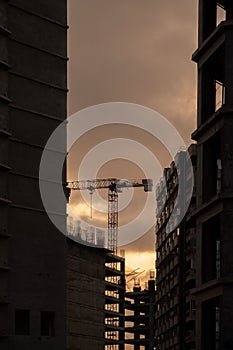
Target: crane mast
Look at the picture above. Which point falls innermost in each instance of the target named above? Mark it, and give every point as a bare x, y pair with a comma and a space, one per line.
114, 186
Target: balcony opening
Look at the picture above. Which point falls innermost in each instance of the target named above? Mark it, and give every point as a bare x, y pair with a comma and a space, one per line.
22, 322
212, 168
214, 12
47, 324
211, 318
213, 84
211, 247
209, 17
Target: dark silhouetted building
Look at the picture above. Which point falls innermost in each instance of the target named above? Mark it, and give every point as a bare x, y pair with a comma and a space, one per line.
214, 214
85, 296
33, 89
114, 302
175, 261
140, 316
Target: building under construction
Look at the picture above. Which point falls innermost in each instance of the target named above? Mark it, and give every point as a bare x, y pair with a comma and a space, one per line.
95, 291
114, 302
114, 265
140, 316
85, 299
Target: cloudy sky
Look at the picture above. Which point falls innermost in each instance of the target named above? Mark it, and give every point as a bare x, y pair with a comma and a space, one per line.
136, 51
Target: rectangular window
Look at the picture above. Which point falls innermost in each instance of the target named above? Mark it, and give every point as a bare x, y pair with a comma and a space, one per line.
211, 249
221, 14
213, 84
22, 322
211, 319
47, 324
219, 95
212, 167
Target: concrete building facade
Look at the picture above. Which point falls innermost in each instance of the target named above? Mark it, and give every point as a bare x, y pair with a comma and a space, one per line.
33, 89
85, 296
214, 214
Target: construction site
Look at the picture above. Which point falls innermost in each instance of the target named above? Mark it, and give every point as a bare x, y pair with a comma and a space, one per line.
123, 310
75, 291
60, 292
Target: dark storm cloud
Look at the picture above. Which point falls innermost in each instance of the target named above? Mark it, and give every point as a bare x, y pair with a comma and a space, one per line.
135, 51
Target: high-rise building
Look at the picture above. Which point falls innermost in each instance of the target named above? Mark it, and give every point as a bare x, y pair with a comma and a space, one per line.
214, 215
175, 260
33, 89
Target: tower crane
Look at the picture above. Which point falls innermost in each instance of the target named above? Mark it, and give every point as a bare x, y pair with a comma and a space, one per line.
114, 187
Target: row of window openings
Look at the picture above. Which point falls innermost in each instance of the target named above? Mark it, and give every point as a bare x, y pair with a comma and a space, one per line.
166, 248
164, 236
171, 294
167, 319
112, 307
169, 334
164, 213
168, 306
169, 276
167, 245
170, 240
114, 335
22, 323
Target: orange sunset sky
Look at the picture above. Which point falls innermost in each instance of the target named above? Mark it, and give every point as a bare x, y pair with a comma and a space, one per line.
136, 51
